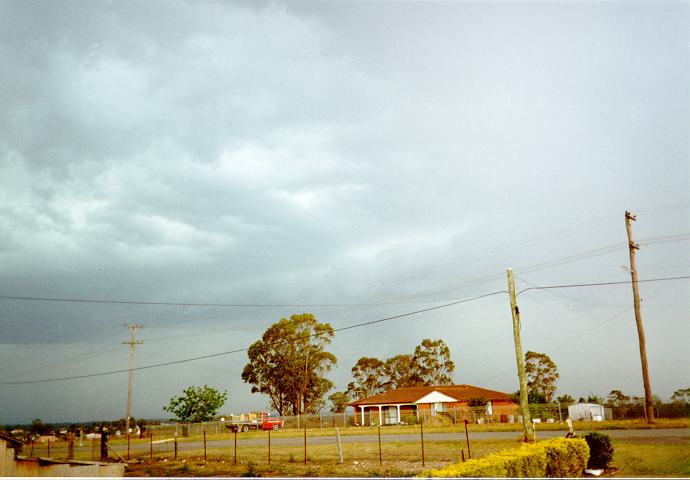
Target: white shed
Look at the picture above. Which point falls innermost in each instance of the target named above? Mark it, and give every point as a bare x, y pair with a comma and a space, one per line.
586, 411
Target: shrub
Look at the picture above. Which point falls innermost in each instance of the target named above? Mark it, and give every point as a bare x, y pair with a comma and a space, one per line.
565, 457
251, 470
600, 450
527, 461
409, 419
559, 457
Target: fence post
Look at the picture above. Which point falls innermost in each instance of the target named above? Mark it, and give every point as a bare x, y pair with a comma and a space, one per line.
127, 445
269, 447
467, 436
175, 443
32, 448
380, 455
340, 449
421, 426
305, 445
204, 445
151, 447
70, 446
48, 448
235, 447
104, 444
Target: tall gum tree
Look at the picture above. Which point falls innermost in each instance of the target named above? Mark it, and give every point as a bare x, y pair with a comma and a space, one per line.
542, 374
289, 363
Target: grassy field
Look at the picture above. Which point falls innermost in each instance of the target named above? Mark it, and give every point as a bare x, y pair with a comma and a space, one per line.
360, 460
635, 457
652, 458
473, 427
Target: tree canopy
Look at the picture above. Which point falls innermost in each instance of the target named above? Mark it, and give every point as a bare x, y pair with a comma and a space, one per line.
339, 401
681, 395
432, 360
616, 397
368, 378
542, 375
430, 364
197, 404
289, 362
566, 399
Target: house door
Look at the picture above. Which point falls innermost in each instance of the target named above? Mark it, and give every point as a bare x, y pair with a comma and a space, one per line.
436, 408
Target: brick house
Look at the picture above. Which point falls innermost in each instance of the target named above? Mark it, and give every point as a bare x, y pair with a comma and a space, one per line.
394, 406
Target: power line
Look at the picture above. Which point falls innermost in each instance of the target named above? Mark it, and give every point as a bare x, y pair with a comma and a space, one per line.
405, 299
176, 362
190, 304
350, 327
625, 282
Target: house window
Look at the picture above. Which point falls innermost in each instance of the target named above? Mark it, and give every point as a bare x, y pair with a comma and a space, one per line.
390, 415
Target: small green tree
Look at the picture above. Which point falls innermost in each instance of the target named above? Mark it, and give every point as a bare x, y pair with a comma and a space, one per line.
616, 398
38, 427
681, 395
197, 404
566, 399
339, 401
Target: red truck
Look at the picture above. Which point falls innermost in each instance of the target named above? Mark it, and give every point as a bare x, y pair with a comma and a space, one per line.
254, 420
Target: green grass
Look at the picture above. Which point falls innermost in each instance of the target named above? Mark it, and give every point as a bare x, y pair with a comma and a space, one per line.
651, 458
399, 459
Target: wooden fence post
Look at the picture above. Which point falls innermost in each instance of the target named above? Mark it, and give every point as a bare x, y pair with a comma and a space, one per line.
467, 436
269, 447
235, 447
380, 454
204, 445
340, 448
305, 445
421, 425
151, 447
70, 446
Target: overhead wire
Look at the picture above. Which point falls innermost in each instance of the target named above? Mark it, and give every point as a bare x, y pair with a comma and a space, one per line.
213, 355
358, 325
599, 284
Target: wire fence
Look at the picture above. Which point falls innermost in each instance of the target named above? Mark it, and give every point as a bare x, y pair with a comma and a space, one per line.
302, 437
309, 444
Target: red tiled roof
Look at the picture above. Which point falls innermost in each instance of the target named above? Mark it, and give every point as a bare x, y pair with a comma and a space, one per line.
411, 394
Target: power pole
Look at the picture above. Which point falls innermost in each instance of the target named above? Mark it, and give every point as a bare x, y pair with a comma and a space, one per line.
524, 404
632, 246
131, 342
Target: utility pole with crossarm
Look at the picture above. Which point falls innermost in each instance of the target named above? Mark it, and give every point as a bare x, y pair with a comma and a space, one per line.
632, 246
131, 342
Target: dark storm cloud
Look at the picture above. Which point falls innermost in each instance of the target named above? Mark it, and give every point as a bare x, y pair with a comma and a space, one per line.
330, 152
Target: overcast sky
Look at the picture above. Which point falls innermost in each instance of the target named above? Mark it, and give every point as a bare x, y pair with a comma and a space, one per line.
401, 154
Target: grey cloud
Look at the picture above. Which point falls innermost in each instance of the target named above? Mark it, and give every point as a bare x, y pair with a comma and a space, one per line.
325, 152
